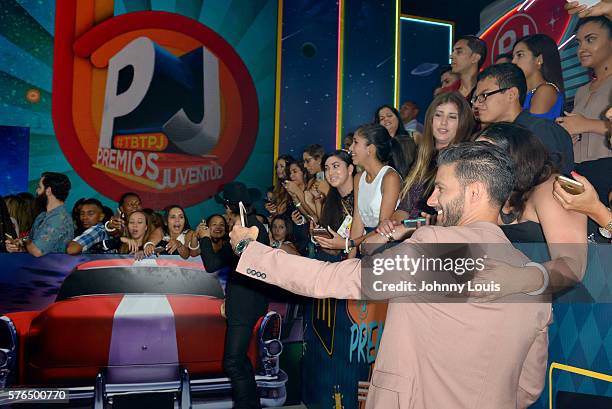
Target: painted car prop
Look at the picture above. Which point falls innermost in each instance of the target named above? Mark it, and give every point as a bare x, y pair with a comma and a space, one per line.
121, 328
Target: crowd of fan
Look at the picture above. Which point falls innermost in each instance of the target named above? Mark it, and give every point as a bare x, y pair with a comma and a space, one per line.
324, 205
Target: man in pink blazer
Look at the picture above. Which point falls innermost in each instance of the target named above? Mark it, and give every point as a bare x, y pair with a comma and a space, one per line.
435, 354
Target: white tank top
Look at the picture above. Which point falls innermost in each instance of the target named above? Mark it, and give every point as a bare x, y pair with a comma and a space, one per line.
370, 197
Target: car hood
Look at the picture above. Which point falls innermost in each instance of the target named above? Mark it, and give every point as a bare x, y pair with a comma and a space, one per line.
135, 330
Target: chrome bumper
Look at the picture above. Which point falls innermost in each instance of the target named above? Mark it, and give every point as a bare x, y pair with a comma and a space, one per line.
273, 390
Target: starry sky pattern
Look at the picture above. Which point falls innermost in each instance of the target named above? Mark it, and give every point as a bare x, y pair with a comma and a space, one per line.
309, 69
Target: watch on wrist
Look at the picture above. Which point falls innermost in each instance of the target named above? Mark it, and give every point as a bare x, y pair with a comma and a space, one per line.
241, 246
606, 230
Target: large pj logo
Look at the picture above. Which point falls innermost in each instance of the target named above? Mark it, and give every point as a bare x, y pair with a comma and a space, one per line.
150, 102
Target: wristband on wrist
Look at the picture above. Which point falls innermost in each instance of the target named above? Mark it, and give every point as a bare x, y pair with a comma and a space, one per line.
193, 248
546, 278
147, 243
108, 229
346, 247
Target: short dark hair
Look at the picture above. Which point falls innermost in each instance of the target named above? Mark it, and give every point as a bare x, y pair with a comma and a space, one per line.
315, 150
507, 56
235, 208
59, 184
600, 20
125, 196
507, 75
92, 201
477, 46
482, 162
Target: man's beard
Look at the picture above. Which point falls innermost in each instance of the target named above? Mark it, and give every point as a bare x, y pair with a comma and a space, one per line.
41, 202
453, 211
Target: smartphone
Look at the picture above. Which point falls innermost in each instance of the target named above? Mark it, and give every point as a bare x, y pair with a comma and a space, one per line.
413, 223
242, 214
571, 186
322, 232
588, 3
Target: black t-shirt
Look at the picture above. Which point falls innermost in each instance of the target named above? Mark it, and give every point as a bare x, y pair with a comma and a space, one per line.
556, 139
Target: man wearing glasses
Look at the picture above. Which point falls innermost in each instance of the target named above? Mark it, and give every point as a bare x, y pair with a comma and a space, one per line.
499, 97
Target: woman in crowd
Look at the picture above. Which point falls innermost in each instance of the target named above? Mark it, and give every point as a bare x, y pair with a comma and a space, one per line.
449, 120
157, 220
280, 198
21, 213
139, 228
178, 236
389, 117
347, 141
296, 183
76, 217
538, 57
6, 226
585, 123
313, 156
337, 212
532, 214
281, 234
377, 188
215, 227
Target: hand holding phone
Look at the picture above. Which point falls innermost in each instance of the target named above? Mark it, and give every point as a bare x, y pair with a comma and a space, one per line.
414, 223
571, 186
319, 231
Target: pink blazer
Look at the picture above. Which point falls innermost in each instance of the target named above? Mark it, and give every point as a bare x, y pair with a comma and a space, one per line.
432, 355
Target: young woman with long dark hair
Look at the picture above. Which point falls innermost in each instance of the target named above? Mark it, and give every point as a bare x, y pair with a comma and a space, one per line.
532, 214
377, 188
538, 57
337, 212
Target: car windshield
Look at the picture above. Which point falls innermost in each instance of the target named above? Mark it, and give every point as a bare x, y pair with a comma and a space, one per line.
140, 280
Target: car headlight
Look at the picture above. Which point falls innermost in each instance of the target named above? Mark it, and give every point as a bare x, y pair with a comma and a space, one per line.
270, 327
270, 346
8, 351
273, 347
8, 334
